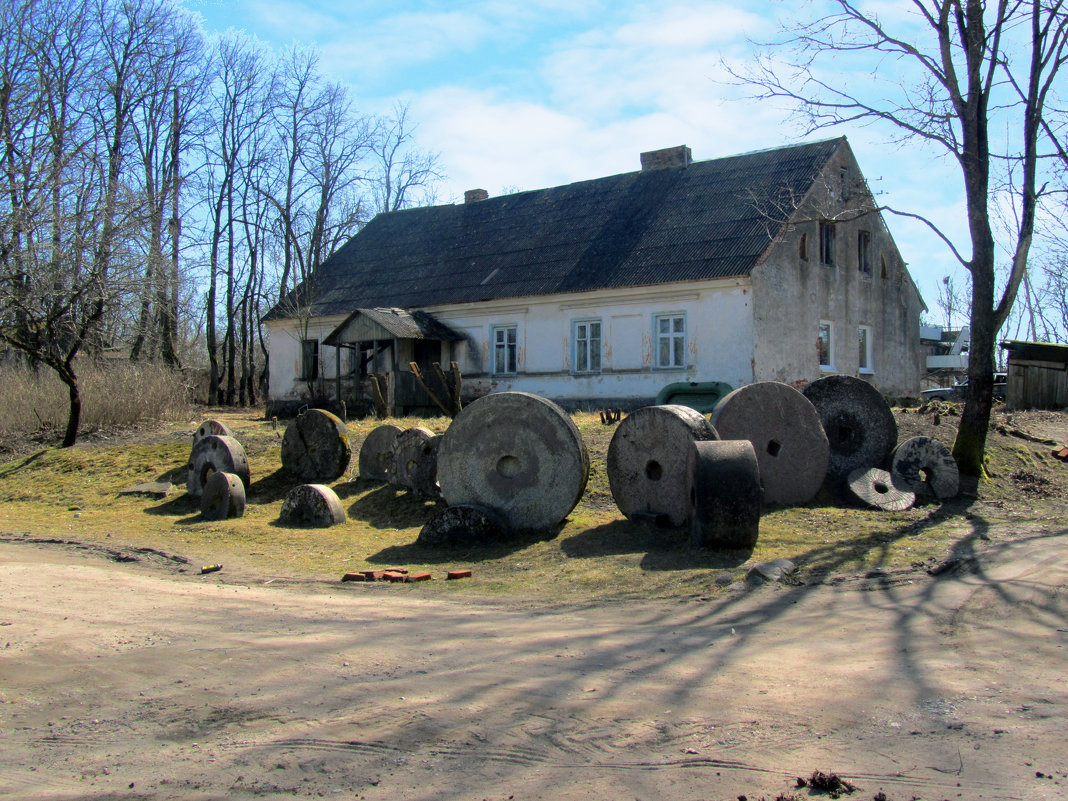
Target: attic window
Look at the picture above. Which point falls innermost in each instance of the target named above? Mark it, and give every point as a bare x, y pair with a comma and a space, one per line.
885, 268
827, 243
864, 252
802, 247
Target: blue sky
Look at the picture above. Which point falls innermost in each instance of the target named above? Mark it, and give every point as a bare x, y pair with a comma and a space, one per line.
525, 95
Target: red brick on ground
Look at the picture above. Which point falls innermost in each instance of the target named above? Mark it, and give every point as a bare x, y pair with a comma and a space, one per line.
421, 576
458, 574
355, 577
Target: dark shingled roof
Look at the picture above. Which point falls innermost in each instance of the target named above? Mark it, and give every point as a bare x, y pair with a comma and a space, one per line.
706, 220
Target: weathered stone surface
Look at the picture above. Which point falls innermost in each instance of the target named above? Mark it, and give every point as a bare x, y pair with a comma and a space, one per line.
647, 462
860, 424
463, 526
775, 570
415, 459
723, 486
211, 428
927, 467
316, 446
877, 488
376, 454
215, 454
784, 429
517, 454
312, 505
223, 498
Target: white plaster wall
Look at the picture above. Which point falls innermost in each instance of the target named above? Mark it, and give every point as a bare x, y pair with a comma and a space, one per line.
285, 349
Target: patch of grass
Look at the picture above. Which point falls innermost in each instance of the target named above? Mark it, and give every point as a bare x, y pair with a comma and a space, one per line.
596, 553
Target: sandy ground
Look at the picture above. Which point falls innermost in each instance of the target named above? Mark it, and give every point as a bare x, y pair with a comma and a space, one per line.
129, 680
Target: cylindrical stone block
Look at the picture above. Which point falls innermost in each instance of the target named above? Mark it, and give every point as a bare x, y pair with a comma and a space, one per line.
312, 505
876, 488
927, 467
316, 446
647, 462
784, 429
518, 455
409, 452
210, 428
463, 526
724, 494
214, 454
859, 423
376, 453
223, 497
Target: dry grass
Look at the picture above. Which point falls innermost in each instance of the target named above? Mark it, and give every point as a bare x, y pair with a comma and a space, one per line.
596, 554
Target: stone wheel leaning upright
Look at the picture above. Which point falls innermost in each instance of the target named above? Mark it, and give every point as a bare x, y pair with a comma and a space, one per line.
518, 455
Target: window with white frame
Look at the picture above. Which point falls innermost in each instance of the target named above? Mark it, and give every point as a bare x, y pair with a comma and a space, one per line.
670, 330
504, 349
864, 354
825, 344
586, 343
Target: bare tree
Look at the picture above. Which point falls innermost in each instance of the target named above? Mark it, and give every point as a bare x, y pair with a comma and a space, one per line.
970, 78
406, 175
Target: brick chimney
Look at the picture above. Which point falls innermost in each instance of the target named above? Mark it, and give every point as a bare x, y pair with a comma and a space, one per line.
475, 195
668, 157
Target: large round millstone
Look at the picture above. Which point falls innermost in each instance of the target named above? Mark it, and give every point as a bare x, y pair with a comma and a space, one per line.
463, 526
376, 453
878, 489
312, 505
316, 446
784, 429
647, 462
724, 494
927, 467
860, 425
214, 454
211, 428
223, 497
516, 454
415, 455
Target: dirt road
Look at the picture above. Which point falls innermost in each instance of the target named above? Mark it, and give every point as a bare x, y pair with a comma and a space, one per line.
130, 680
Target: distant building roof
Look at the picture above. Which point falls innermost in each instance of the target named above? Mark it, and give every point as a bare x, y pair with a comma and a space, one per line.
673, 221
1036, 351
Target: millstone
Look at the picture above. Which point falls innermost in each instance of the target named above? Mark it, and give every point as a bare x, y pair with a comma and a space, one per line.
517, 454
725, 494
860, 425
214, 454
415, 455
316, 446
211, 428
376, 453
463, 526
312, 505
927, 467
877, 488
784, 429
647, 462
223, 498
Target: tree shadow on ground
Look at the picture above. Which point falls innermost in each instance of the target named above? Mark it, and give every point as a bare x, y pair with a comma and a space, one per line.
665, 547
271, 488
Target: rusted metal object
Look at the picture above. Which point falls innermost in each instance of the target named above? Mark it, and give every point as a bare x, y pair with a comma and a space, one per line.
223, 497
784, 429
877, 488
316, 446
927, 467
376, 454
859, 423
724, 494
517, 454
647, 462
214, 454
312, 505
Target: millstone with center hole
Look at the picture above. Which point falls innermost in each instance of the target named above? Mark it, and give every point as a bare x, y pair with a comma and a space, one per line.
415, 459
724, 494
214, 454
516, 454
647, 461
223, 498
376, 453
877, 488
927, 467
860, 425
784, 429
312, 505
463, 526
211, 428
316, 446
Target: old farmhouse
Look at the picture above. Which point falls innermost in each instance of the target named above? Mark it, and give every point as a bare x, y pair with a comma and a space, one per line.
772, 265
